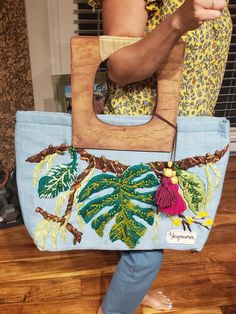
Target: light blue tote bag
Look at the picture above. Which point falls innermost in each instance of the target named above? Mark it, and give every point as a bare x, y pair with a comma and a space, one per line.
76, 197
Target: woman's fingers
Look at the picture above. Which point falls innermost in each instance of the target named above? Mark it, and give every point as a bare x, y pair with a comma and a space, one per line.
213, 4
210, 9
192, 13
213, 9
209, 15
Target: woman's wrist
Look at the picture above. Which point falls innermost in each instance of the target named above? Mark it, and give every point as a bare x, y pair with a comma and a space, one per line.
176, 23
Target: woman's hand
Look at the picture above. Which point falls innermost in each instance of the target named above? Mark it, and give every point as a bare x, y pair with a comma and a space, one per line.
192, 13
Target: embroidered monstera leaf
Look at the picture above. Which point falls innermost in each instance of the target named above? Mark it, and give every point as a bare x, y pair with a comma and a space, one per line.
59, 178
106, 196
193, 190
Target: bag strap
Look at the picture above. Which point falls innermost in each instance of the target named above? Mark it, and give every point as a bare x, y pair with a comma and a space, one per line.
87, 52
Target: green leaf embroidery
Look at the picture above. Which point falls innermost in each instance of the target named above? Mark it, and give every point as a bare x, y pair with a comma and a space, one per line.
193, 190
58, 179
126, 195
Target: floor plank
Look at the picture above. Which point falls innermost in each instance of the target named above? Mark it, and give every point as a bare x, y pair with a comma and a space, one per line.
221, 272
63, 307
203, 310
76, 281
228, 309
56, 268
44, 290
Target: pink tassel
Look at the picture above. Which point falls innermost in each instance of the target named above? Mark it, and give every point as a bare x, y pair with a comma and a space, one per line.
165, 195
168, 199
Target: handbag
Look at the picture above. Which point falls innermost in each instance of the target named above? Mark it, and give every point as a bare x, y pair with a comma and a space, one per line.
116, 182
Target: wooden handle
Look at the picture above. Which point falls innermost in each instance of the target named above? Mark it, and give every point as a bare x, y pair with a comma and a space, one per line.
87, 52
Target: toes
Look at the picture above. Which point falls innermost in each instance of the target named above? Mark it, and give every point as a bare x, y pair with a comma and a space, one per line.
160, 306
165, 307
168, 305
158, 300
165, 298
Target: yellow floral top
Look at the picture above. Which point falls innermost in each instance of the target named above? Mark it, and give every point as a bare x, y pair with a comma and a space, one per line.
205, 59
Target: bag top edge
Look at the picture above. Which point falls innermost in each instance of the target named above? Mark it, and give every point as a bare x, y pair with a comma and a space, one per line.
198, 123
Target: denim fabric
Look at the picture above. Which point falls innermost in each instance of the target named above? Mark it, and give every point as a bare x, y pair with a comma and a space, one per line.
36, 130
134, 274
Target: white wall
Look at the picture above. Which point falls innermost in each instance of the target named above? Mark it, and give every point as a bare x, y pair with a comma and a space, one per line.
61, 28
50, 27
40, 54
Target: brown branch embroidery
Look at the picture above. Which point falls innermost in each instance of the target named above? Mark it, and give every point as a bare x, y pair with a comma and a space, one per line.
104, 164
185, 223
114, 166
77, 234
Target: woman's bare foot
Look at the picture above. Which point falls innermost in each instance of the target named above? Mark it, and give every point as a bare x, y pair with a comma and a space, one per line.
157, 300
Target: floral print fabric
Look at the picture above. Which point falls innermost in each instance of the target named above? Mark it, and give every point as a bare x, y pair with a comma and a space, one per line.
205, 59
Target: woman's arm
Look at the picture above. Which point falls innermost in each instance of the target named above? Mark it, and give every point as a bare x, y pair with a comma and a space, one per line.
128, 18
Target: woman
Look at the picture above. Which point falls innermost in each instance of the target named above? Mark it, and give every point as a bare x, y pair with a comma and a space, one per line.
206, 27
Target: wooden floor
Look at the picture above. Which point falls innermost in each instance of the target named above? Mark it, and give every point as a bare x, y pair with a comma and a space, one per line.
75, 282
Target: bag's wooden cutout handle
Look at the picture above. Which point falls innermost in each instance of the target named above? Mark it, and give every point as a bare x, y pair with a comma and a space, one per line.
87, 52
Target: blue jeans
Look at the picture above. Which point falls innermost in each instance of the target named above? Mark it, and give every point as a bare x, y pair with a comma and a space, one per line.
134, 274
